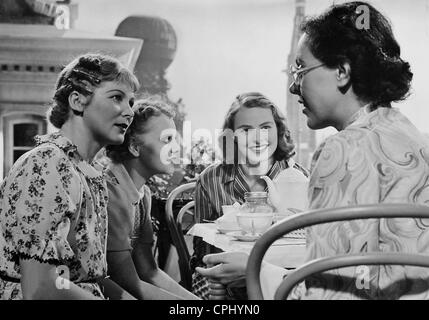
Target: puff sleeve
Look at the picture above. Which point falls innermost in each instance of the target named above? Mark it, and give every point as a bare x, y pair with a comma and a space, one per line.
40, 201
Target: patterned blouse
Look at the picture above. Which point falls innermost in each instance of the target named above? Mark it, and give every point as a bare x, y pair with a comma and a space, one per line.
53, 210
379, 158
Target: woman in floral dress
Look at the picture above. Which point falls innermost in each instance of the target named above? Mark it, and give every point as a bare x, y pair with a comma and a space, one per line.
53, 202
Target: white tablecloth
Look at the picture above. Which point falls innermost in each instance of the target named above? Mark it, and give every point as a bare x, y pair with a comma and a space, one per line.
285, 252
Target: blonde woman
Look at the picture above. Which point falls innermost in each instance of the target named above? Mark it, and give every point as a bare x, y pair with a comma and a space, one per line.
53, 201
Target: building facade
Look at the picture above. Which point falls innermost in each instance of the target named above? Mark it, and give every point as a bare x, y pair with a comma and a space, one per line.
31, 57
304, 138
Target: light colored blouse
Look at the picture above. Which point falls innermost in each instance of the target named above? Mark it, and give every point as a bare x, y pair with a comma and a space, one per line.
379, 158
53, 210
128, 211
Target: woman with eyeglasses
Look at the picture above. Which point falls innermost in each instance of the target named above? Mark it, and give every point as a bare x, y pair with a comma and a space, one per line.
53, 202
149, 148
255, 143
348, 77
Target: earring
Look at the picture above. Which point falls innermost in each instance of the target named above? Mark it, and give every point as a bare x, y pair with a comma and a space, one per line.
77, 113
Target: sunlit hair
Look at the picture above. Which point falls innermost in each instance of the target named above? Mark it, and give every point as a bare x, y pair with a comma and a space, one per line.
378, 73
285, 144
84, 74
144, 109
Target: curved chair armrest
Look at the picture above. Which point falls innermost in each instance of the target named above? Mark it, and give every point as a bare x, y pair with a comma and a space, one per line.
169, 216
314, 217
173, 194
177, 235
325, 264
183, 210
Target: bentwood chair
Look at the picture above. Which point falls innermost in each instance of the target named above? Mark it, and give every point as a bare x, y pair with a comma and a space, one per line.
178, 227
314, 217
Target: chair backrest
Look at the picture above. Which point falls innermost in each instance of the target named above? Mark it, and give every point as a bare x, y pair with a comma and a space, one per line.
187, 209
176, 232
314, 217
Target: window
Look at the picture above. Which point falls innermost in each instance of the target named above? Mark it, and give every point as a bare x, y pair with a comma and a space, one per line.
23, 138
19, 132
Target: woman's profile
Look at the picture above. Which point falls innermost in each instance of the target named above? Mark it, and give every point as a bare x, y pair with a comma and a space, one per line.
53, 202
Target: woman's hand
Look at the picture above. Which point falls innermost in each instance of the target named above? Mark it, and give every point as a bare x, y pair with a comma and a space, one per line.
225, 268
217, 291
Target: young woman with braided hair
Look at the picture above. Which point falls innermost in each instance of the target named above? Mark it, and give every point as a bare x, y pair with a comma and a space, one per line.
53, 201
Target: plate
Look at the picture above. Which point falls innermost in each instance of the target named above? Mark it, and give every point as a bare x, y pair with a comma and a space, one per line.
244, 237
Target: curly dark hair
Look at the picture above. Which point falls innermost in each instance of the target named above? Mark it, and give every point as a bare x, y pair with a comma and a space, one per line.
285, 144
378, 74
83, 75
145, 108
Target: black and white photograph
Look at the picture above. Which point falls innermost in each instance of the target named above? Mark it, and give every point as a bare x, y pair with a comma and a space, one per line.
226, 150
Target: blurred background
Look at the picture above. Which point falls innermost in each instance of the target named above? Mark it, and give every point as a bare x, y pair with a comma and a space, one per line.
199, 54
228, 47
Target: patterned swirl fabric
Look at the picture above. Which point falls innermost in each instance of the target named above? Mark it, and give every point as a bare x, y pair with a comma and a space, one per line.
379, 158
53, 210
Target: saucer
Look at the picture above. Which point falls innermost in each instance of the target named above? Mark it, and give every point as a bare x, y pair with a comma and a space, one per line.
244, 237
226, 231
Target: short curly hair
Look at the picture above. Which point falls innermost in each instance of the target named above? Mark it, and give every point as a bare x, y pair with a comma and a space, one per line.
285, 147
144, 109
378, 74
83, 75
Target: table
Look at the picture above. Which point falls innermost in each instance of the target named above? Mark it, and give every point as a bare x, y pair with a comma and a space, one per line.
285, 252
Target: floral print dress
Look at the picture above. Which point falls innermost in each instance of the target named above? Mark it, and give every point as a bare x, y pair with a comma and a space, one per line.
379, 158
53, 210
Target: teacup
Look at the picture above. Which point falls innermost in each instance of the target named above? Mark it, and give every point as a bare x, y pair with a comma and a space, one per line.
226, 225
255, 223
228, 221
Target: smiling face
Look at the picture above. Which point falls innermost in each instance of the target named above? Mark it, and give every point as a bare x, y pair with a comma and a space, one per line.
108, 114
158, 151
256, 134
317, 89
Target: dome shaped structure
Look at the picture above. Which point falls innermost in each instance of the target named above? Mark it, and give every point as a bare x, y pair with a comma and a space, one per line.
160, 40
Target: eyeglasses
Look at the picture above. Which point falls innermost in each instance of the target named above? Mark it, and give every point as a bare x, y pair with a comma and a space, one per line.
298, 73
